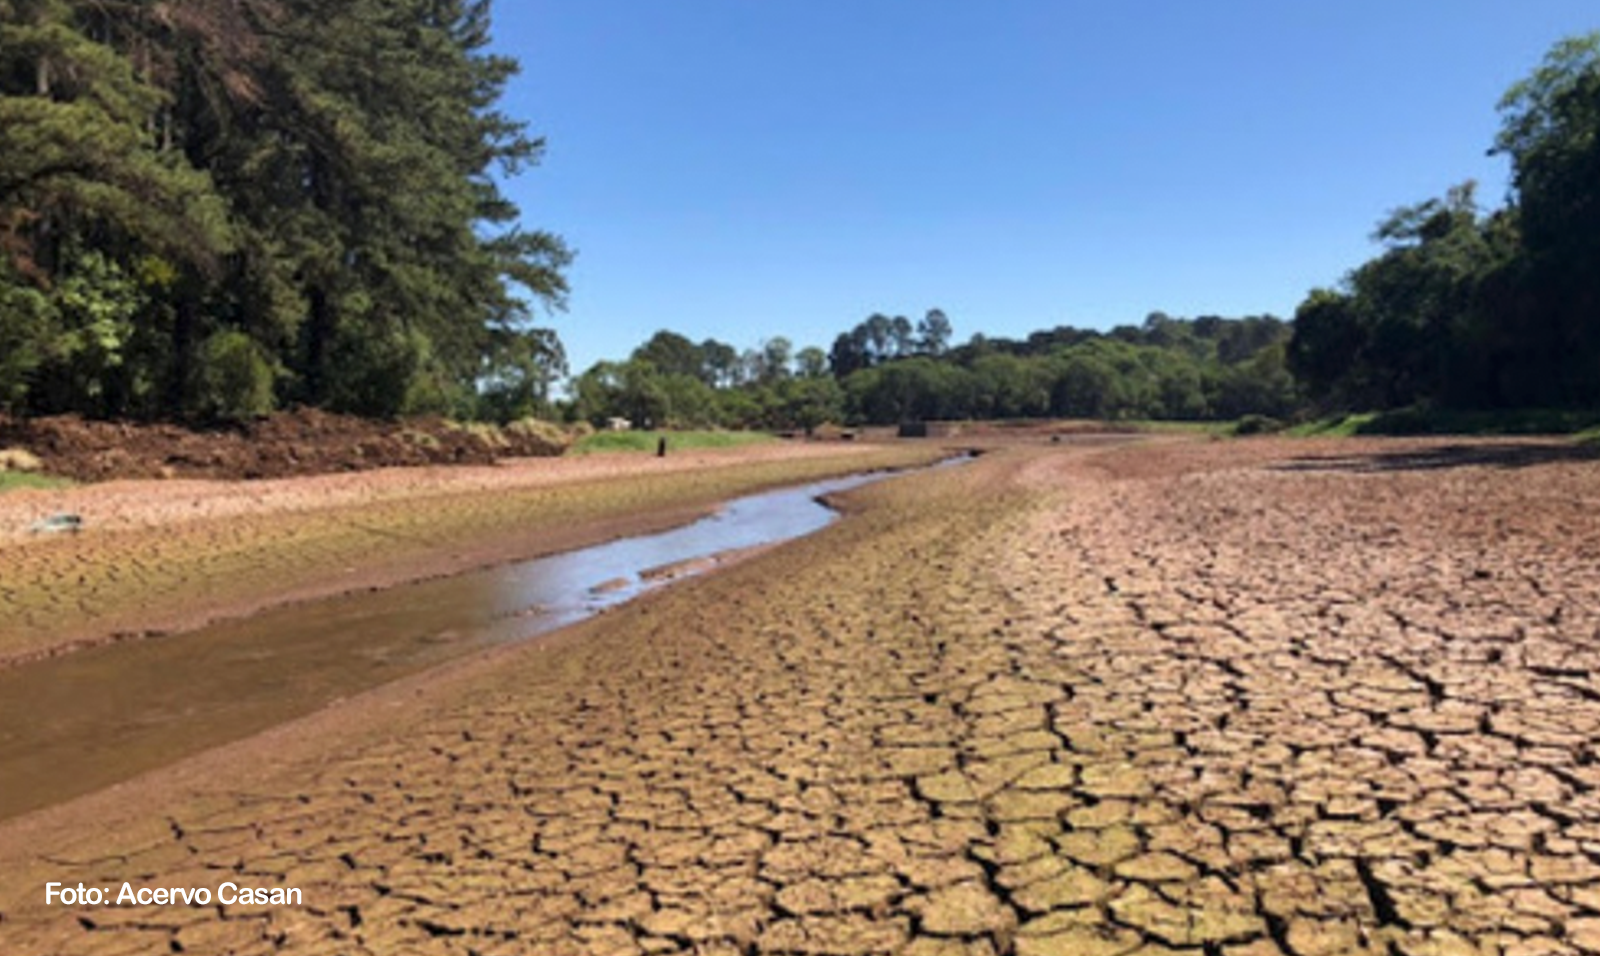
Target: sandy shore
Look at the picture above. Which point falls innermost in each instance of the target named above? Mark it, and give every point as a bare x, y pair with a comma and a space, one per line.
1242, 698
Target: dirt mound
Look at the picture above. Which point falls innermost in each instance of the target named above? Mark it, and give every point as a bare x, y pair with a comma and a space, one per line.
302, 442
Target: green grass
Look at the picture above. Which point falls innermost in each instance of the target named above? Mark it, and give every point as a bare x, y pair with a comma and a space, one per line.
10, 480
676, 441
1337, 426
1585, 426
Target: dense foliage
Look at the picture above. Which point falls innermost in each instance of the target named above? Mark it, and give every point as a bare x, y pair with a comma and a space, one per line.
208, 209
1468, 309
887, 370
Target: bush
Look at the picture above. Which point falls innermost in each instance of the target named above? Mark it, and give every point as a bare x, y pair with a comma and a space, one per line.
1258, 425
234, 379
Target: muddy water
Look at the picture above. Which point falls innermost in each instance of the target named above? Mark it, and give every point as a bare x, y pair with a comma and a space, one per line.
74, 724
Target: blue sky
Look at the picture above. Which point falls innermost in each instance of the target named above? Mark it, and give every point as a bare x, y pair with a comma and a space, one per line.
741, 169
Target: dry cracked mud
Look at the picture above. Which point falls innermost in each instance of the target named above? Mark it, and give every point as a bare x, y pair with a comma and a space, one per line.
1241, 698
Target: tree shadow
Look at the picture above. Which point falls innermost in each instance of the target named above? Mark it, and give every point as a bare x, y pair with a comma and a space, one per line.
1442, 457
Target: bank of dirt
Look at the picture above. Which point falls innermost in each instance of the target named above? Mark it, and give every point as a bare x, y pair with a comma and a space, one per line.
1239, 698
160, 556
301, 442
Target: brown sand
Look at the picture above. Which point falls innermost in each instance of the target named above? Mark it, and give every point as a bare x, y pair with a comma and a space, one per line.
1243, 698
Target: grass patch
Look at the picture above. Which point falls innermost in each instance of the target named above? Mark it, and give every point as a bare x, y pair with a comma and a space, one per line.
1335, 426
676, 441
1584, 425
12, 480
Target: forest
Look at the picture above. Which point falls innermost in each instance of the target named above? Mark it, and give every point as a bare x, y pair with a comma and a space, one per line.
1473, 308
209, 210
213, 210
886, 370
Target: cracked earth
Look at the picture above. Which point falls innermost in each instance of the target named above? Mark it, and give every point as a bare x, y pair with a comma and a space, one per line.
1240, 698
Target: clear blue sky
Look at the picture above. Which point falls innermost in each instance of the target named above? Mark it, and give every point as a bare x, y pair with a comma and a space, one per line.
748, 168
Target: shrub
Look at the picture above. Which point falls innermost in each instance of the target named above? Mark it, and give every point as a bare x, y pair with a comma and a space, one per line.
1258, 425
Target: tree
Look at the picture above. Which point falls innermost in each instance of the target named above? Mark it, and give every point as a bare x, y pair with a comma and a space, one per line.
1402, 329
933, 333
719, 364
776, 355
878, 332
86, 189
849, 353
1329, 341
1548, 302
901, 338
320, 178
520, 368
672, 354
809, 401
811, 362
1550, 127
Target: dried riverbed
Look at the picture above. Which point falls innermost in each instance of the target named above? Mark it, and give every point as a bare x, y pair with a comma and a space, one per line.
1241, 698
74, 723
159, 557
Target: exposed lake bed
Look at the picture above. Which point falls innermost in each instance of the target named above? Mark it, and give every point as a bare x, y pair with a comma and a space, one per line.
1264, 696
80, 721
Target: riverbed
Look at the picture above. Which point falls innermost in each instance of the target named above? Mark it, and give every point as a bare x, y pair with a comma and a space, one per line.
80, 722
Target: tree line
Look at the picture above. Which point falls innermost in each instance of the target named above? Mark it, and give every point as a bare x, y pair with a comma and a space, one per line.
211, 209
887, 370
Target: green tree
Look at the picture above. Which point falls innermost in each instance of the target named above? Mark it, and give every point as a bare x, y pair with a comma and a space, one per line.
672, 354
808, 401
811, 362
719, 363
933, 333
1327, 348
774, 359
318, 177
520, 368
1548, 334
